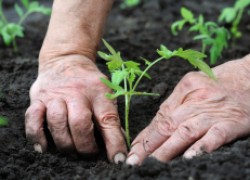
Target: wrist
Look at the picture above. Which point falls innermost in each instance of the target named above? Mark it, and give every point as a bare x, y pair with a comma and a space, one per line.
75, 28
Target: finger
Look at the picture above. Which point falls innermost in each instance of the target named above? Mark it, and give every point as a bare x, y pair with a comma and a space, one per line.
34, 119
217, 135
81, 126
57, 119
185, 135
151, 137
109, 124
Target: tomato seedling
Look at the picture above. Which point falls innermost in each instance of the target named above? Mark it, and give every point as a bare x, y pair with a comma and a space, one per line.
210, 34
126, 75
11, 30
233, 15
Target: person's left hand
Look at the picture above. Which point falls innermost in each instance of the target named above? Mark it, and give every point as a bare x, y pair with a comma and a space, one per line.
199, 116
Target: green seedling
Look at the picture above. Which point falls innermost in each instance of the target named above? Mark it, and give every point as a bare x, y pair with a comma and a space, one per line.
129, 3
3, 121
233, 15
210, 34
11, 30
127, 75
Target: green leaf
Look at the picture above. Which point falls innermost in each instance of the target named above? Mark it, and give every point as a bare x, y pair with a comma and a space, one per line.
36, 7
242, 4
201, 36
164, 52
114, 65
195, 58
111, 85
129, 3
228, 15
118, 76
25, 3
19, 10
109, 47
131, 77
187, 14
104, 55
10, 32
3, 121
178, 25
147, 62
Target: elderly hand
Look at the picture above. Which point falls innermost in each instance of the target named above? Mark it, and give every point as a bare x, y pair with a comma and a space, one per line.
199, 116
68, 94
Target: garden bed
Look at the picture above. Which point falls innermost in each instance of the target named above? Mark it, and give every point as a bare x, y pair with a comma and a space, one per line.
135, 32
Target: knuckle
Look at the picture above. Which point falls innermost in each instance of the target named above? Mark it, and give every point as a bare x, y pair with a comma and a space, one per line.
109, 120
188, 80
165, 125
33, 110
187, 133
219, 132
82, 123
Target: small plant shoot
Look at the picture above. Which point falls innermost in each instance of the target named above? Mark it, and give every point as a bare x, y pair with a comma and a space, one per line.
210, 34
129, 3
233, 15
126, 75
3, 121
9, 31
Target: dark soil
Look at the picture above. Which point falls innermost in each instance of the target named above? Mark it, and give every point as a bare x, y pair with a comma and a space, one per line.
135, 32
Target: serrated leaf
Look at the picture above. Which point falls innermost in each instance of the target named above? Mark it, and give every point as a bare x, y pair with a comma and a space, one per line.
178, 25
195, 58
104, 55
131, 77
109, 47
36, 7
118, 76
132, 65
111, 85
164, 52
19, 10
242, 4
147, 62
10, 31
187, 14
228, 15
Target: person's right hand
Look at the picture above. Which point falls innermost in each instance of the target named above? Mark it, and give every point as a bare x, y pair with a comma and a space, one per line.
68, 94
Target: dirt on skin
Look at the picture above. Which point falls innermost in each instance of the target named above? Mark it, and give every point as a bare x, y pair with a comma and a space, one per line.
135, 32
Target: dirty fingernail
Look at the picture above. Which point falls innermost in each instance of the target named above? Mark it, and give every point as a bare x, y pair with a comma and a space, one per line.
119, 158
133, 160
190, 154
38, 148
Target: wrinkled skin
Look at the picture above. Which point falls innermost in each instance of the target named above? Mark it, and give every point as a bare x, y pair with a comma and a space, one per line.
68, 94
199, 116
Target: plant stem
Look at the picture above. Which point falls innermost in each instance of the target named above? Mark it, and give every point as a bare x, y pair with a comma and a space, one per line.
127, 104
22, 19
144, 72
15, 48
3, 18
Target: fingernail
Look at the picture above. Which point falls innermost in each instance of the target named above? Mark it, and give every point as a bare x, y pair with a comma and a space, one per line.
38, 148
119, 158
191, 153
133, 160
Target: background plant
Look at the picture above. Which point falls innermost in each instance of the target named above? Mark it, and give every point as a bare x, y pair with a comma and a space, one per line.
3, 121
233, 16
126, 75
11, 30
129, 3
210, 33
